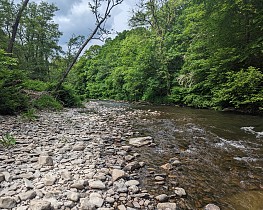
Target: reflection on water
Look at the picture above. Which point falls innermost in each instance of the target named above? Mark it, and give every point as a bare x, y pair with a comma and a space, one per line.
252, 200
221, 156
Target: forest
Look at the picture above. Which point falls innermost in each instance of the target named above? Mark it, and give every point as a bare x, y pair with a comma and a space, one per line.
202, 54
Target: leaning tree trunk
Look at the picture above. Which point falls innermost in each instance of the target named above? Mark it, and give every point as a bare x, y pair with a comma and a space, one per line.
100, 20
15, 27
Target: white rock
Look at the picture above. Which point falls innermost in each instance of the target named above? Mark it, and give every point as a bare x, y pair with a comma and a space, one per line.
28, 184
211, 207
141, 141
180, 191
165, 206
50, 179
73, 196
97, 185
132, 182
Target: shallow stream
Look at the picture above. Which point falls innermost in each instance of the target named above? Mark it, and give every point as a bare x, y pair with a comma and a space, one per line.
220, 154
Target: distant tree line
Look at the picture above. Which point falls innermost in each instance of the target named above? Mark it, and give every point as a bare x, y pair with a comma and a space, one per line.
205, 54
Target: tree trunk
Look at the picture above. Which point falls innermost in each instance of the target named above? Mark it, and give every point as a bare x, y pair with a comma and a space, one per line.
15, 27
100, 21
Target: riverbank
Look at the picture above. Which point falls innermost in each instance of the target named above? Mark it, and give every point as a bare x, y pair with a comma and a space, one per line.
77, 159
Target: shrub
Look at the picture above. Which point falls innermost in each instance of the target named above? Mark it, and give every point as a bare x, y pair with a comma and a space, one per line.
46, 101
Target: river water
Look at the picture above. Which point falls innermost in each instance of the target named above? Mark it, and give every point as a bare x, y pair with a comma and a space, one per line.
221, 156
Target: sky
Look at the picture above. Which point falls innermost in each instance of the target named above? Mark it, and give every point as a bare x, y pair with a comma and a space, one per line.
75, 17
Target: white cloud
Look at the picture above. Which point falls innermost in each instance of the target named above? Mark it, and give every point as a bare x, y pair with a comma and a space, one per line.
75, 17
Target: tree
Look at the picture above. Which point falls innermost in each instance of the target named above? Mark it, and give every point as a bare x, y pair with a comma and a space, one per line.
15, 27
101, 17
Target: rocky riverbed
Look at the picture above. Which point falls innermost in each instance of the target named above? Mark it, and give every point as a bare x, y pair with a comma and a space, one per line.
77, 159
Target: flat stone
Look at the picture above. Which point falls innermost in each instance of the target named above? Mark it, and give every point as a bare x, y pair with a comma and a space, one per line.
141, 141
211, 207
27, 195
79, 147
162, 198
97, 185
165, 206
117, 174
159, 178
132, 182
7, 203
45, 160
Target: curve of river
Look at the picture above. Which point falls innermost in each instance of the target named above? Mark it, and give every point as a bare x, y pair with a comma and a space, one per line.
221, 155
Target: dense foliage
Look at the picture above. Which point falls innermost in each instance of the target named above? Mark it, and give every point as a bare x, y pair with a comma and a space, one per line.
36, 62
197, 53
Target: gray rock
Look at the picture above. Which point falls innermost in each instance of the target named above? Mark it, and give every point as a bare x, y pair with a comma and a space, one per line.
40, 205
132, 166
45, 160
73, 196
132, 182
22, 208
86, 205
165, 206
27, 195
141, 141
7, 176
121, 207
28, 184
97, 185
7, 203
162, 198
159, 178
110, 200
211, 207
97, 201
79, 147
117, 174
179, 191
50, 179
2, 177
65, 174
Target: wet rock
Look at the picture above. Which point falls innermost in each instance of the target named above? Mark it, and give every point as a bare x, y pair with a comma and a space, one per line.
7, 203
132, 166
117, 174
165, 206
167, 166
162, 198
211, 207
141, 141
179, 191
45, 160
40, 205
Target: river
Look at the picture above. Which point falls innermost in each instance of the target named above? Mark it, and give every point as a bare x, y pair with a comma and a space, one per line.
220, 154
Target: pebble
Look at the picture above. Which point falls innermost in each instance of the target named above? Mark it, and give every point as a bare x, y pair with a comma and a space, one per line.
74, 159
